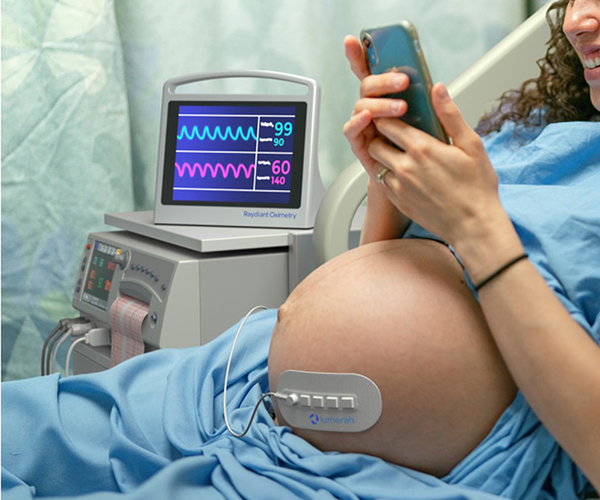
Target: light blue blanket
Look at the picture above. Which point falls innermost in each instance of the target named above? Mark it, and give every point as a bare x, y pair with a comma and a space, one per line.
153, 427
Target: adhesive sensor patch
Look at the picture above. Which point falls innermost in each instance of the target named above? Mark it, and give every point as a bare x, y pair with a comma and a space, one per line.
335, 402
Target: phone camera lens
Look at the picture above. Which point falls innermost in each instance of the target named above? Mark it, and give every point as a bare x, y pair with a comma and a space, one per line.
366, 42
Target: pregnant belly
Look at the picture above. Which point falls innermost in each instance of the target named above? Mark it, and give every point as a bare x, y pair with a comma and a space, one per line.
400, 313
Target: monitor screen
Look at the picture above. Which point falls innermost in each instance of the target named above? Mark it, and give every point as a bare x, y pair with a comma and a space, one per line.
100, 275
234, 153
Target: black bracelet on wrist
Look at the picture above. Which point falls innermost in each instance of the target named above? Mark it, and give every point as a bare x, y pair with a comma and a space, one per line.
500, 271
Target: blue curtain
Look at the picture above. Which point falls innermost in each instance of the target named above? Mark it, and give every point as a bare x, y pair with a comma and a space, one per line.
81, 92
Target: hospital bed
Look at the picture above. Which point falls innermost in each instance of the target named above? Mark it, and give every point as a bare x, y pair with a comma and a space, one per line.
504, 67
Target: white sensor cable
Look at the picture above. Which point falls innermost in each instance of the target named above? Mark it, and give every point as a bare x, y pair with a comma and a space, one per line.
70, 353
95, 337
253, 310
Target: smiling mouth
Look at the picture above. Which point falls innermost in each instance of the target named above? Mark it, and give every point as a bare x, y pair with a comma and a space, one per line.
592, 63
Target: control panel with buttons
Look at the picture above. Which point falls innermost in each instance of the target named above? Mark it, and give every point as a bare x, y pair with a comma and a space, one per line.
150, 271
104, 261
117, 264
192, 296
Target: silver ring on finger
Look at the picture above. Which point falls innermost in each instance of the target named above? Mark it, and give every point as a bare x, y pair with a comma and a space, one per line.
381, 176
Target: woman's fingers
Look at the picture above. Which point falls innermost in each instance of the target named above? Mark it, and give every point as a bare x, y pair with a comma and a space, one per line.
355, 127
380, 108
356, 57
409, 138
372, 85
384, 85
402, 135
453, 122
385, 154
359, 131
361, 134
373, 90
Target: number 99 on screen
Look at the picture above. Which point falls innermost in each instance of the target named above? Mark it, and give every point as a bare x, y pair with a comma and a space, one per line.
283, 128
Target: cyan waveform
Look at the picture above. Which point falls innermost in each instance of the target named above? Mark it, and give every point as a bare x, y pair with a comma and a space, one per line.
216, 133
203, 170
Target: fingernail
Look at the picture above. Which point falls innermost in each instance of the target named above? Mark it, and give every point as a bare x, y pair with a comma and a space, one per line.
443, 92
396, 107
362, 116
399, 81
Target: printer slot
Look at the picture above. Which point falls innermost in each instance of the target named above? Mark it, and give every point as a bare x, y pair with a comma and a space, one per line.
135, 290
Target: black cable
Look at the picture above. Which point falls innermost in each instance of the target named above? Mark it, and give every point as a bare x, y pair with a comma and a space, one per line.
56, 330
63, 332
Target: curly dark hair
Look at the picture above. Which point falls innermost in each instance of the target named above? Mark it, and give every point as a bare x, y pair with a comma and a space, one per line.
559, 94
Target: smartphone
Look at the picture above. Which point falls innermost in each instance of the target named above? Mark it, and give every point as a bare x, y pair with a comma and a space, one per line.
397, 48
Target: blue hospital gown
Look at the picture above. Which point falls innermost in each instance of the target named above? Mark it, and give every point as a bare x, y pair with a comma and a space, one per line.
153, 426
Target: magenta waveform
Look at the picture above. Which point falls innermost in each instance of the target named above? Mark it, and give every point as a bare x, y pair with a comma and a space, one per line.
207, 167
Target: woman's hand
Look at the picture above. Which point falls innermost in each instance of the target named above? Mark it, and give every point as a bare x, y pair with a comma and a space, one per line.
440, 186
360, 129
382, 221
451, 190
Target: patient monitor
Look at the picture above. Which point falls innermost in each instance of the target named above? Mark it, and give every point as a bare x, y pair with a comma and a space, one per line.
239, 159
233, 171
